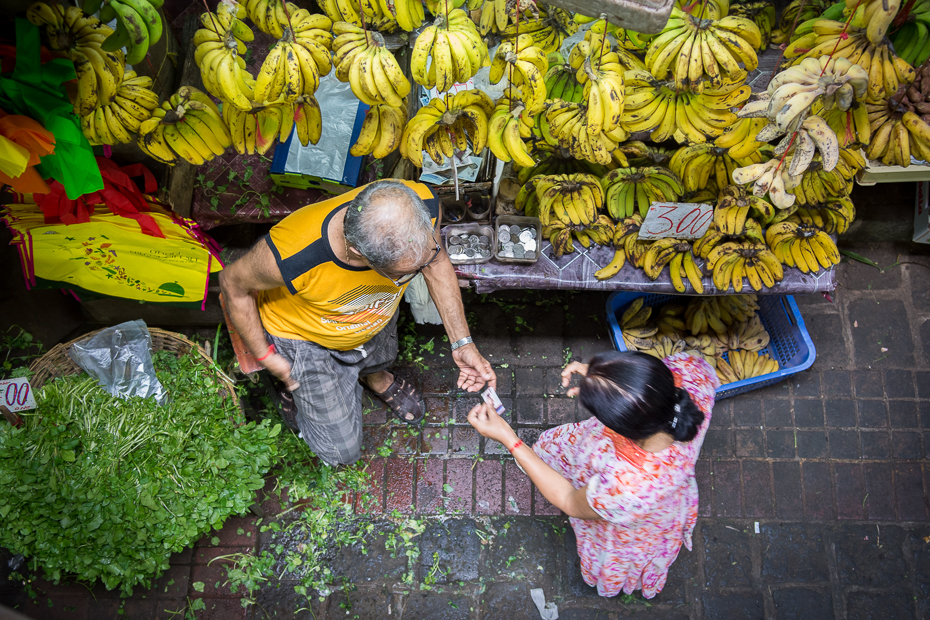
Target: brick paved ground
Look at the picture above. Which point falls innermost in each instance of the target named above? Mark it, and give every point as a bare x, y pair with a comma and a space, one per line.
814, 492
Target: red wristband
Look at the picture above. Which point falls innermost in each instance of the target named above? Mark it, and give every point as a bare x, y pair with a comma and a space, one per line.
271, 350
516, 445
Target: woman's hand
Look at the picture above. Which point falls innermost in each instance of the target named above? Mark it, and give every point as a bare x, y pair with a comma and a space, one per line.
573, 368
488, 423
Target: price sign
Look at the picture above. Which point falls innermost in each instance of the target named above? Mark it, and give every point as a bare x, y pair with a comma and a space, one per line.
681, 220
16, 394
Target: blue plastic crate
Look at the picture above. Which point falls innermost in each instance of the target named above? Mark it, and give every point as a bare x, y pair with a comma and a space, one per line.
790, 343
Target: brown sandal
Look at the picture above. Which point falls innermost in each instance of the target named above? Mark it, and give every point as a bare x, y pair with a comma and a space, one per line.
401, 398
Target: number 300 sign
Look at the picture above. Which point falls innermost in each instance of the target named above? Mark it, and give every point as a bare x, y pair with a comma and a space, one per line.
681, 220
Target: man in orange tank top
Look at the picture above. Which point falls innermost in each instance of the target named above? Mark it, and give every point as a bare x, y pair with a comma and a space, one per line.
317, 300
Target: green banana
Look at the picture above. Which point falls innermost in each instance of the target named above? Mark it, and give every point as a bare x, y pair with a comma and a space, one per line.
149, 15
117, 40
138, 33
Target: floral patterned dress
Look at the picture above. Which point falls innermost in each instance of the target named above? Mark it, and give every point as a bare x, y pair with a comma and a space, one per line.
648, 500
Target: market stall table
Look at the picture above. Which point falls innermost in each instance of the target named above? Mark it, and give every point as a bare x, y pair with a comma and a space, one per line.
575, 271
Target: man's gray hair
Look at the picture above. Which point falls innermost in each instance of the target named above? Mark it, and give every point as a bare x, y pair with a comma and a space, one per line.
388, 222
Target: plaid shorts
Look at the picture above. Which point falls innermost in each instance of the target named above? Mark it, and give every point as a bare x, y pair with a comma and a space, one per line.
329, 399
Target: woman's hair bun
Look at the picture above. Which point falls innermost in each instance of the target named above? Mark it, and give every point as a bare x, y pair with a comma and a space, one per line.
687, 419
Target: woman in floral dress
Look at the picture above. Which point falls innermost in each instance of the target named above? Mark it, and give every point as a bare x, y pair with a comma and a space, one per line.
626, 475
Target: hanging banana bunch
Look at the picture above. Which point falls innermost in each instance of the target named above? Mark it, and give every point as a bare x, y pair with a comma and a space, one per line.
381, 131
362, 60
700, 165
117, 121
525, 66
762, 14
632, 190
448, 52
81, 36
188, 126
667, 112
799, 245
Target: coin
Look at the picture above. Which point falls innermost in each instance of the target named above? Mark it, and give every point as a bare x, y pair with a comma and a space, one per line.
525, 235
504, 236
515, 230
506, 254
529, 245
470, 253
518, 251
508, 247
473, 238
455, 250
529, 255
503, 228
485, 253
483, 241
532, 233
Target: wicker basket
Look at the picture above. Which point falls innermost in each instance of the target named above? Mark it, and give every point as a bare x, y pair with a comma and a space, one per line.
57, 363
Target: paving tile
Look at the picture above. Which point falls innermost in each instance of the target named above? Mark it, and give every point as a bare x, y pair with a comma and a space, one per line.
802, 603
884, 605
909, 490
841, 413
277, 599
213, 580
373, 410
777, 413
899, 384
906, 445
465, 440
808, 413
922, 379
923, 412
518, 495
806, 384
221, 609
438, 410
529, 436
541, 505
903, 414
544, 345
875, 444
439, 381
827, 333
718, 442
504, 380
849, 486
488, 487
429, 485
788, 493
861, 277
459, 478
705, 487
872, 414
529, 411
508, 600
793, 552
843, 444
749, 442
529, 381
236, 531
757, 489
446, 605
818, 490
812, 444
554, 382
434, 440
728, 605
919, 278
562, 410
204, 555
496, 344
882, 325
868, 384
494, 447
780, 444
399, 481
879, 484
727, 556
461, 407
870, 555
530, 550
747, 412
727, 492
372, 502
71, 607
457, 550
173, 583
836, 383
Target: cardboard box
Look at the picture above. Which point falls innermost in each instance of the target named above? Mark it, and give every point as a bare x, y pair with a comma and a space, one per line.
922, 213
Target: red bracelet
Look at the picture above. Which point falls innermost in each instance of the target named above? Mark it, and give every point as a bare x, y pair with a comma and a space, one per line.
516, 445
271, 350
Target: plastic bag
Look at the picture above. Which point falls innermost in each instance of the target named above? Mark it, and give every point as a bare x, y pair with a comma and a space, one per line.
120, 358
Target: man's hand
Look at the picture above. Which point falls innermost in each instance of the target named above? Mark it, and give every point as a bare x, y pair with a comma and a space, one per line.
474, 370
278, 365
488, 423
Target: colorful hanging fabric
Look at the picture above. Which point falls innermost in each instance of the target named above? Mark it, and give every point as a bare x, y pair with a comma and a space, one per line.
23, 142
37, 90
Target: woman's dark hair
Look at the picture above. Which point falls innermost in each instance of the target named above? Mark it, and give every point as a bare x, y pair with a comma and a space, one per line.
634, 394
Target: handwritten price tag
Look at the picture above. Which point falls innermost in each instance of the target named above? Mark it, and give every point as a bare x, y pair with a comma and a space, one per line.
16, 394
681, 220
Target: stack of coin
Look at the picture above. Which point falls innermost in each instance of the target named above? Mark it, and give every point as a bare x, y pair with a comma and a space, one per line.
516, 242
467, 247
